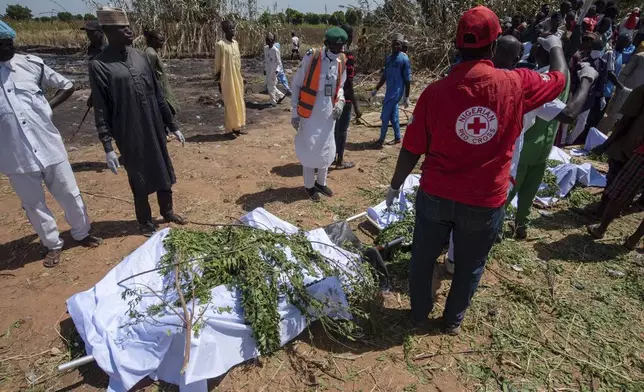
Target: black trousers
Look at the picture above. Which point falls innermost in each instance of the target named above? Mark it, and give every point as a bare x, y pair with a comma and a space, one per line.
341, 128
142, 206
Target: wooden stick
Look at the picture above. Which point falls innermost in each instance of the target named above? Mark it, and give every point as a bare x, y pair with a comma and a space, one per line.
187, 320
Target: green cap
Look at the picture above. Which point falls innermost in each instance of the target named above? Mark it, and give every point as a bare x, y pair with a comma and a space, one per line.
336, 35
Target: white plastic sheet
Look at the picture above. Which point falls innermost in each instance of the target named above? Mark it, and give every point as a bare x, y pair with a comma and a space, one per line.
128, 353
568, 175
385, 217
594, 139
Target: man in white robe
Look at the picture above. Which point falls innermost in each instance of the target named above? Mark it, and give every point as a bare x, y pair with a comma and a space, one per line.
314, 111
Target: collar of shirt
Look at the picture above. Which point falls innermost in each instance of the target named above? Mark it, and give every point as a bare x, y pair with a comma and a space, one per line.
8, 64
460, 69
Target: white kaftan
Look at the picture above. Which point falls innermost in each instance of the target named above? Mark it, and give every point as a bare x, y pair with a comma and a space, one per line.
273, 66
315, 142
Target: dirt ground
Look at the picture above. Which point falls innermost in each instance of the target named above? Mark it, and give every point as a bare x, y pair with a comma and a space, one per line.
218, 180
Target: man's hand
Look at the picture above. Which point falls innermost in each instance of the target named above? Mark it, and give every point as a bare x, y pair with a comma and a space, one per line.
112, 162
587, 71
295, 122
337, 110
180, 137
552, 41
392, 195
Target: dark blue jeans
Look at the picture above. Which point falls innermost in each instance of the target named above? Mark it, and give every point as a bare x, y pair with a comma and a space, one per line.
475, 230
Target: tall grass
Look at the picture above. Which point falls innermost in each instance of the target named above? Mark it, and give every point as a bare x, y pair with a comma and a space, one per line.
52, 34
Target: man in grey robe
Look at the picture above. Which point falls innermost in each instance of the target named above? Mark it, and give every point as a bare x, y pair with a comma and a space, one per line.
131, 110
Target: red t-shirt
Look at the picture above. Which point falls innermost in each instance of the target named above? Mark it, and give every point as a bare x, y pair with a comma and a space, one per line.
467, 123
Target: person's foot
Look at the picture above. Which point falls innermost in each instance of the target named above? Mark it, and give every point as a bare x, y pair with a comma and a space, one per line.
423, 324
324, 190
174, 218
521, 232
451, 329
148, 229
232, 135
240, 132
312, 193
281, 99
344, 165
631, 243
52, 259
91, 241
595, 231
378, 145
394, 142
289, 93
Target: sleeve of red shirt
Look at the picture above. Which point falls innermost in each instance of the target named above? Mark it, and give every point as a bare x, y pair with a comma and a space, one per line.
417, 136
538, 88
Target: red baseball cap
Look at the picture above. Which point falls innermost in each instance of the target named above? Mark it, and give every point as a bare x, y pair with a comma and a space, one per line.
477, 28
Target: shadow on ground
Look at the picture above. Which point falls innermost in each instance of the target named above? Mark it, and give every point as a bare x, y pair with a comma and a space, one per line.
18, 253
289, 170
361, 146
285, 195
98, 167
579, 248
214, 138
91, 374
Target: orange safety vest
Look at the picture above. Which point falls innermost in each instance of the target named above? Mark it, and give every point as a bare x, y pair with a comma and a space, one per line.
309, 90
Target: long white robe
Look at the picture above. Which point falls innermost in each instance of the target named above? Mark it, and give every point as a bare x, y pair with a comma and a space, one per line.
315, 141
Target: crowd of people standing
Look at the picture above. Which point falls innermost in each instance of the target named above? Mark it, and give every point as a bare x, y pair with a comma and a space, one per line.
486, 129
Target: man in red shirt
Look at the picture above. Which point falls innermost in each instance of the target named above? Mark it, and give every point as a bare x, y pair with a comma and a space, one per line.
466, 125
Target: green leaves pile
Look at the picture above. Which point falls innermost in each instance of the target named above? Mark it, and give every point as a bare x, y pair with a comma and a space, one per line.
255, 263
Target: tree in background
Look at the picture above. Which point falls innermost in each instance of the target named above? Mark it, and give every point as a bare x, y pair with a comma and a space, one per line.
44, 19
353, 16
294, 17
337, 18
325, 18
65, 16
18, 12
78, 17
89, 17
312, 18
266, 18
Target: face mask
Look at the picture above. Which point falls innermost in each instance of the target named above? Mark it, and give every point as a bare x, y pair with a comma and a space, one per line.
595, 54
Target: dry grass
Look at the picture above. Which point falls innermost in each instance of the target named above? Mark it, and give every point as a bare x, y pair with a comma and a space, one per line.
52, 34
249, 35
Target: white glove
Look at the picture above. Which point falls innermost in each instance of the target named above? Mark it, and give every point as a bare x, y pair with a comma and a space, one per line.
180, 137
552, 41
112, 162
392, 194
587, 71
406, 103
295, 122
337, 110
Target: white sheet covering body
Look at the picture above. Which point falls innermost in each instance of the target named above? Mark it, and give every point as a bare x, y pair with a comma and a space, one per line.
130, 352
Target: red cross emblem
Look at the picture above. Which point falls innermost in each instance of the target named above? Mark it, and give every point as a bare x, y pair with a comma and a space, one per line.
477, 125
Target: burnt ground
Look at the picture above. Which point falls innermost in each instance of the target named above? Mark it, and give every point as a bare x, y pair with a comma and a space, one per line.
517, 317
